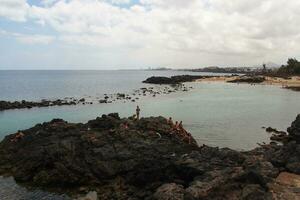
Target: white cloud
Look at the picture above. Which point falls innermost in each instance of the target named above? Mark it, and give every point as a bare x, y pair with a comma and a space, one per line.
35, 39
202, 31
14, 9
28, 39
119, 2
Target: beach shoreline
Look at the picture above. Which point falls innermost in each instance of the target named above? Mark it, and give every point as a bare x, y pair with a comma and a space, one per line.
293, 81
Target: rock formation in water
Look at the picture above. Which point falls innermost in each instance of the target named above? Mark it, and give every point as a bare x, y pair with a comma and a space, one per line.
172, 80
147, 159
6, 105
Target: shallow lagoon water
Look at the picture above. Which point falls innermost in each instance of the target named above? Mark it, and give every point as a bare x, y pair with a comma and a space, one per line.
217, 114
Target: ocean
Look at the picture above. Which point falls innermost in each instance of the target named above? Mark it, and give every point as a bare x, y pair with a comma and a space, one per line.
217, 114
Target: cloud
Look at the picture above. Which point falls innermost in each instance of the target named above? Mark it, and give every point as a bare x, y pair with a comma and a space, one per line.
28, 39
201, 31
15, 10
119, 2
35, 39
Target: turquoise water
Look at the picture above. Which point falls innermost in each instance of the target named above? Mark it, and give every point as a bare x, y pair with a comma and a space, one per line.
217, 114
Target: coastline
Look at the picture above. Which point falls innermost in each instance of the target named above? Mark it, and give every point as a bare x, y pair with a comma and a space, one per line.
293, 81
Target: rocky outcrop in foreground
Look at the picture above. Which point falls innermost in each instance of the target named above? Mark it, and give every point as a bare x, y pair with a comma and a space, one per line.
147, 159
172, 80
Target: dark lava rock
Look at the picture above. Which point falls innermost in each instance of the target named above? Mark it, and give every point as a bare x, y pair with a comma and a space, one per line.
121, 95
294, 130
6, 105
172, 80
142, 159
103, 101
59, 153
82, 100
287, 156
248, 79
159, 80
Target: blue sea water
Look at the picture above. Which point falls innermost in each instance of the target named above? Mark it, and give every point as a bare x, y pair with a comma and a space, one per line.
217, 114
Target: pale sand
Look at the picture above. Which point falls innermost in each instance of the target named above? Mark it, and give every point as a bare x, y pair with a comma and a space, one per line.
294, 81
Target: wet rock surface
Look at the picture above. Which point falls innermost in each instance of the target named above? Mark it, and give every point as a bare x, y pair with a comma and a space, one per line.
146, 159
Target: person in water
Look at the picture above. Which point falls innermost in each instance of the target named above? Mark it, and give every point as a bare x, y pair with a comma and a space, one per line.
138, 112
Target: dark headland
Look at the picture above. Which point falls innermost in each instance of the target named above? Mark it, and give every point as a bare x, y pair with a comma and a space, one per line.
146, 159
174, 79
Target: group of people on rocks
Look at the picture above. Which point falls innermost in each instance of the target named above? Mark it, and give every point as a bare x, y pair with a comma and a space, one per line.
17, 137
178, 129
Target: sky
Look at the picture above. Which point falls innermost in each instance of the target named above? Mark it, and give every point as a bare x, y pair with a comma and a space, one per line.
123, 34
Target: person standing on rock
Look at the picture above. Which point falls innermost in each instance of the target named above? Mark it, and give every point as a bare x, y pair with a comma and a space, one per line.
138, 112
170, 121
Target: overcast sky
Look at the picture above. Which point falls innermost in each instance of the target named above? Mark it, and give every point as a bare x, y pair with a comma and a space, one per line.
119, 34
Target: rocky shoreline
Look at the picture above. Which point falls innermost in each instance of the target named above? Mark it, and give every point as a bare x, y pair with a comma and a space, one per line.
114, 158
105, 99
